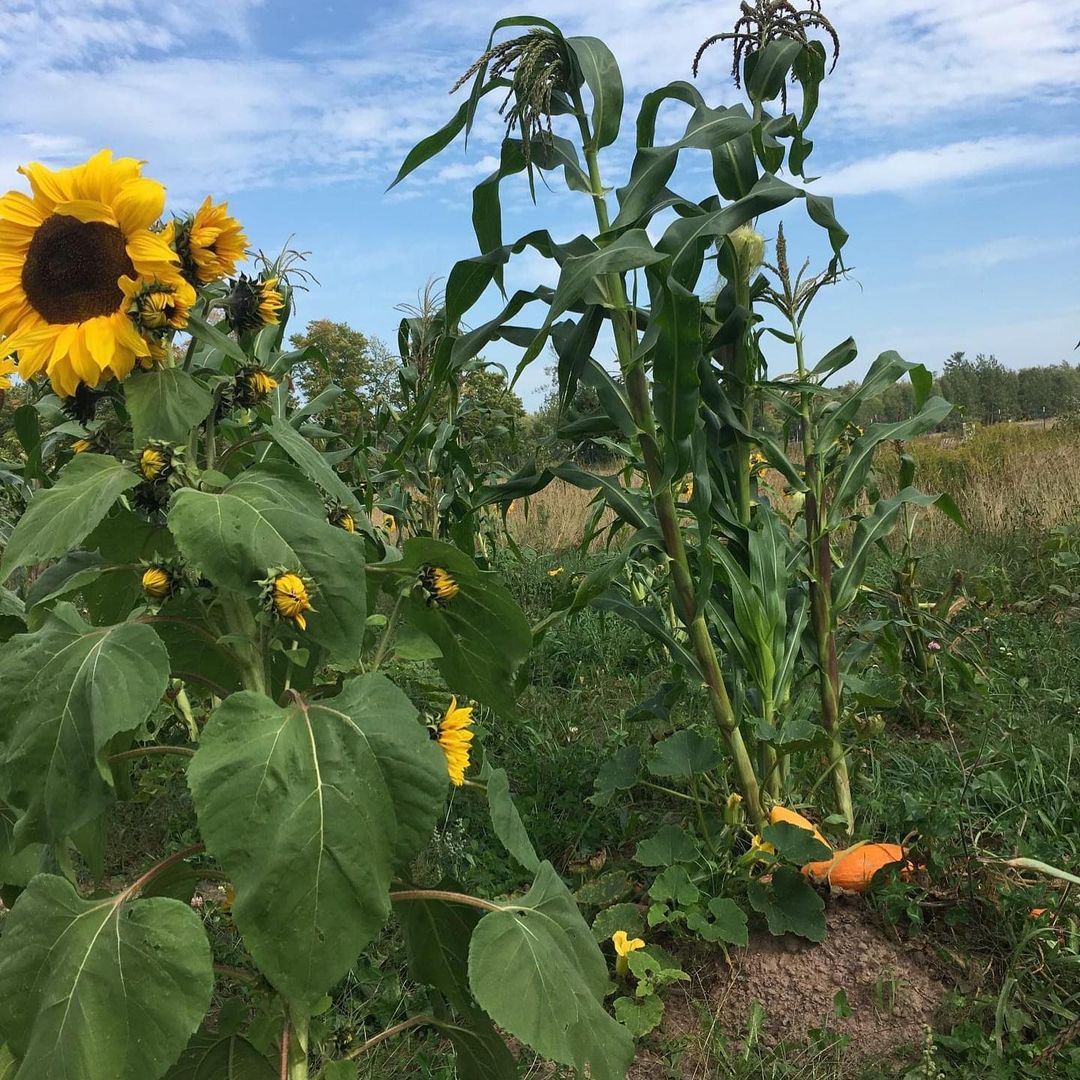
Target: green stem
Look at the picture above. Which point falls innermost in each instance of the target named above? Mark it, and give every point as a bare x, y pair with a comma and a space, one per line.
637, 388
298, 1046
447, 897
771, 777
241, 624
744, 402
397, 1029
818, 539
388, 633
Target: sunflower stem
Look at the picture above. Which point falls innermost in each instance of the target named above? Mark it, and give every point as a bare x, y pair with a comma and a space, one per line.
388, 633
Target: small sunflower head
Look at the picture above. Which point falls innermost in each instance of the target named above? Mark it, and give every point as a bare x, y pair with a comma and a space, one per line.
209, 243
252, 303
159, 582
758, 463
439, 585
253, 385
288, 597
341, 517
156, 461
157, 307
454, 736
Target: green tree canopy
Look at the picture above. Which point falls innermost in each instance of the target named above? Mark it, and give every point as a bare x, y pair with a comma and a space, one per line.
362, 366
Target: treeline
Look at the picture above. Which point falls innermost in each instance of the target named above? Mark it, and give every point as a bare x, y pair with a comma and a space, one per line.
985, 391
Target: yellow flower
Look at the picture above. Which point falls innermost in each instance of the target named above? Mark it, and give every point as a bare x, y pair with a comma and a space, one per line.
341, 517
210, 243
156, 307
733, 809
63, 252
157, 582
439, 584
556, 572
454, 738
289, 597
686, 492
80, 446
154, 462
228, 899
624, 946
762, 846
253, 303
388, 522
7, 369
758, 463
253, 385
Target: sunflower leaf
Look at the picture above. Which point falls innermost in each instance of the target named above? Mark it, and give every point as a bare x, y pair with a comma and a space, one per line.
65, 691
59, 517
165, 404
309, 808
86, 981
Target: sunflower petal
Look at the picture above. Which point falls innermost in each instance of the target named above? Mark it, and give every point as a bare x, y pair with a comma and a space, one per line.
87, 210
139, 204
48, 187
20, 208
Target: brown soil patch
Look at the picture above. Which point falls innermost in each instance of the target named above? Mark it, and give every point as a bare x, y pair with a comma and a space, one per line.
892, 990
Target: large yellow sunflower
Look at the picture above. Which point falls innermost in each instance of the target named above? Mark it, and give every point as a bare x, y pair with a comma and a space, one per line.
63, 251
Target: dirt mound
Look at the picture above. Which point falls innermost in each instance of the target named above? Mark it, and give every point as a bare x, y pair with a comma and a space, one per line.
891, 987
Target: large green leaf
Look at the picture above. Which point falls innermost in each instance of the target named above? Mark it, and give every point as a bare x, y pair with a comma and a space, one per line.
165, 404
16, 867
668, 846
535, 968
767, 69
312, 464
437, 937
483, 635
59, 517
507, 823
481, 1052
684, 754
220, 1056
100, 990
65, 691
602, 77
307, 809
413, 765
789, 903
675, 335
270, 517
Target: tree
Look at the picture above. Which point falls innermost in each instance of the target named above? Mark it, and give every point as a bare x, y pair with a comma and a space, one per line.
491, 417
362, 366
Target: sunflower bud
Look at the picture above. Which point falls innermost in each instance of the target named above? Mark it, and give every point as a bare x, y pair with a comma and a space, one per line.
253, 386
439, 584
252, 303
287, 597
209, 244
155, 461
340, 516
158, 582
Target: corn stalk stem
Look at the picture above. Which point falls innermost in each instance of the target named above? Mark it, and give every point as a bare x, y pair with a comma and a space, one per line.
821, 614
637, 389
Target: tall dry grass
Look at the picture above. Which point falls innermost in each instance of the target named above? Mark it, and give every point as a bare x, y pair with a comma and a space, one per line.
1006, 479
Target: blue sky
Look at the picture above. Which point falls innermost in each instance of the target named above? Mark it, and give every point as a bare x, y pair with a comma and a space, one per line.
949, 135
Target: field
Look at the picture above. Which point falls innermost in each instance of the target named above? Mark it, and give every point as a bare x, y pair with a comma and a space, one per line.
717, 719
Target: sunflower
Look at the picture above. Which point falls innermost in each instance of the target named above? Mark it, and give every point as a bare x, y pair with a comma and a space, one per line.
156, 307
158, 583
155, 461
253, 303
340, 516
209, 243
7, 369
253, 385
454, 737
439, 584
287, 595
63, 251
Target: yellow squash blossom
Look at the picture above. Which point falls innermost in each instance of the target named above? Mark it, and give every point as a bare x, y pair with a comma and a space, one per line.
63, 252
624, 946
454, 738
289, 597
210, 243
439, 584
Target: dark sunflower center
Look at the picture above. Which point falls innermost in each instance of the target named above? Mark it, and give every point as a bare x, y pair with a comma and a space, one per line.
72, 268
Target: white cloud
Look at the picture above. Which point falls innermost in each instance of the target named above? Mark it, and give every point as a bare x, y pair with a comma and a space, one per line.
1003, 250
902, 171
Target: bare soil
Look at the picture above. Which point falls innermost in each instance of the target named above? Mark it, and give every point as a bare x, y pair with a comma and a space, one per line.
892, 989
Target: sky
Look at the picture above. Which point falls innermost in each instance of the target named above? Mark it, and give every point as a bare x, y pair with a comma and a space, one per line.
949, 135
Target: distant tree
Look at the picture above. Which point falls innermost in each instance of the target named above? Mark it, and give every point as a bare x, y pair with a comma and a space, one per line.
492, 420
361, 365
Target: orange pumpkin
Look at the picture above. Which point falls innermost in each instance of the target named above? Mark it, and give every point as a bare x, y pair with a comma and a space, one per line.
782, 813
854, 868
